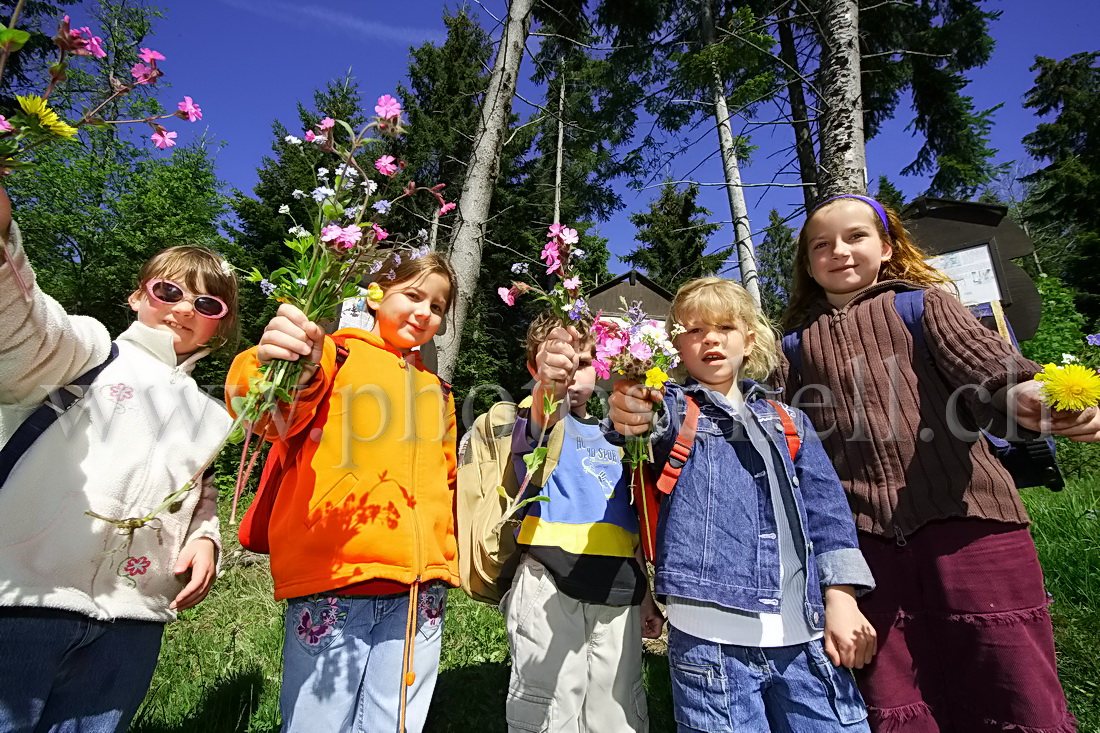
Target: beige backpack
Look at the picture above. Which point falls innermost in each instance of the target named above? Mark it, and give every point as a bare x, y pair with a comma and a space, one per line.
487, 485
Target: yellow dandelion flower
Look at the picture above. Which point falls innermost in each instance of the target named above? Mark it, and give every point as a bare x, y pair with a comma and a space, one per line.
35, 105
374, 293
655, 378
1070, 387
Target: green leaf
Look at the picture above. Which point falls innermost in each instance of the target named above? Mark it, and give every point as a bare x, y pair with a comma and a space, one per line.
536, 458
503, 492
13, 38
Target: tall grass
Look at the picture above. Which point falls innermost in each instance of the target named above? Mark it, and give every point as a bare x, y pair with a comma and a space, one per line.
220, 665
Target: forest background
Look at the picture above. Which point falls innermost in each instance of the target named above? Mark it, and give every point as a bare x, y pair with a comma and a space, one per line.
630, 94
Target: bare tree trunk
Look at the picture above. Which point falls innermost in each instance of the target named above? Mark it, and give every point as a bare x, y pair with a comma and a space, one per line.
843, 155
739, 212
561, 141
484, 166
800, 112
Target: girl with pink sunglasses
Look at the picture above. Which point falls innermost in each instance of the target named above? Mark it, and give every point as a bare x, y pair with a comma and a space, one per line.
83, 603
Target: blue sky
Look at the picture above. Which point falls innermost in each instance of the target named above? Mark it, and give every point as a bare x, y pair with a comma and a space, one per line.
248, 62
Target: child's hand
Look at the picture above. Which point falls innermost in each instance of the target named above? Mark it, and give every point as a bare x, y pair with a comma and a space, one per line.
290, 336
557, 360
652, 618
632, 406
198, 557
1031, 413
850, 640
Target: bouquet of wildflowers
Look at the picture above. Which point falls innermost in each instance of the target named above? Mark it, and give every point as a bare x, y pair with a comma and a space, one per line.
640, 350
1075, 384
570, 307
35, 124
342, 242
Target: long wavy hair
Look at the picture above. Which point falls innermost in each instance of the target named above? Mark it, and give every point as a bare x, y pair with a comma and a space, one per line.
905, 263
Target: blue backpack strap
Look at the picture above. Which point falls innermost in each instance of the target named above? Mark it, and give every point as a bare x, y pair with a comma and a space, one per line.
910, 306
792, 348
57, 403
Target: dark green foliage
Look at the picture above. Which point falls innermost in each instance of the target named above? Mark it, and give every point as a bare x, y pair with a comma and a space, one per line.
1062, 196
1061, 330
673, 236
889, 194
774, 263
925, 49
261, 229
25, 70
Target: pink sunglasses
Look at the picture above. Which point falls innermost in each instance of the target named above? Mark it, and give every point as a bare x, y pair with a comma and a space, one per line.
167, 292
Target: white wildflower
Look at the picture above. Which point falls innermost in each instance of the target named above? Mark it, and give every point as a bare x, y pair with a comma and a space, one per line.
284, 209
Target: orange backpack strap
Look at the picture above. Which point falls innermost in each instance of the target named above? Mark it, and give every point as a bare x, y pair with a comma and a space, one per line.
681, 449
790, 432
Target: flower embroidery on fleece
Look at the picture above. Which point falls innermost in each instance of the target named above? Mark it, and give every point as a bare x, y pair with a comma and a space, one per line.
119, 393
137, 566
432, 604
318, 619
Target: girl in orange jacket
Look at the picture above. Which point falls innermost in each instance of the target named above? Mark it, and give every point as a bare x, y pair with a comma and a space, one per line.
362, 530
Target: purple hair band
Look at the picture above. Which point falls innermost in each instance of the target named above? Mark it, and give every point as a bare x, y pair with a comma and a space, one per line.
865, 199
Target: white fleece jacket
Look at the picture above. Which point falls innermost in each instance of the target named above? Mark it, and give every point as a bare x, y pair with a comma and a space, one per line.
142, 431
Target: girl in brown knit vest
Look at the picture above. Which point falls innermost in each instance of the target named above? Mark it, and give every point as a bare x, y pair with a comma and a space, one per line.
965, 640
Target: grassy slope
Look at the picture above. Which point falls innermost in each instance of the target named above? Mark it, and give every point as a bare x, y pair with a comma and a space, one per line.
219, 669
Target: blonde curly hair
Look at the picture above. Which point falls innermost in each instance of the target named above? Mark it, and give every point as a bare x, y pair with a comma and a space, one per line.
715, 301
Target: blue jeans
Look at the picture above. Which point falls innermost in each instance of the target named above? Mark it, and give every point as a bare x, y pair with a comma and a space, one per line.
724, 688
342, 659
64, 671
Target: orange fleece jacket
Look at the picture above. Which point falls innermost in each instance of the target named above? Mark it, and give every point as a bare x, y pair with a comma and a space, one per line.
371, 493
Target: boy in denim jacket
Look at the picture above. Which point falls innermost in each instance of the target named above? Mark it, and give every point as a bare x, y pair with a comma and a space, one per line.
756, 552
580, 601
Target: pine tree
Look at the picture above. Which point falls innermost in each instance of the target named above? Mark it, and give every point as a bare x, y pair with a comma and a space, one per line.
1062, 195
890, 194
673, 236
775, 258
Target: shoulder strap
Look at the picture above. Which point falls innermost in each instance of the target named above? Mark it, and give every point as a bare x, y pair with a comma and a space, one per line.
910, 306
790, 430
792, 348
681, 449
57, 403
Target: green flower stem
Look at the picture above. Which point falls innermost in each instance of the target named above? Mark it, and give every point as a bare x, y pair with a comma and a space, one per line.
11, 26
538, 457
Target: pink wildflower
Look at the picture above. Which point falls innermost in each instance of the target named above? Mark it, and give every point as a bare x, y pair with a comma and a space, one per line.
5, 126
387, 107
351, 235
602, 369
555, 230
609, 346
379, 233
640, 350
148, 55
568, 236
192, 110
326, 124
385, 165
572, 283
552, 256
144, 74
331, 233
508, 295
164, 138
449, 206
85, 44
310, 136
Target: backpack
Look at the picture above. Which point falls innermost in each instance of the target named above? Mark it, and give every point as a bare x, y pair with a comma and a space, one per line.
487, 486
1030, 462
56, 404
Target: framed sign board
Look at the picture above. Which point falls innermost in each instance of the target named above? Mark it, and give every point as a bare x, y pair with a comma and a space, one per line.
975, 270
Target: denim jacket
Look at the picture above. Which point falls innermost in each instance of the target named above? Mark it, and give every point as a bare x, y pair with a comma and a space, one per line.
716, 532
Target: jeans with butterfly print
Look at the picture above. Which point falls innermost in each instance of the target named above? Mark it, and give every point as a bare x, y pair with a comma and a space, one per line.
342, 658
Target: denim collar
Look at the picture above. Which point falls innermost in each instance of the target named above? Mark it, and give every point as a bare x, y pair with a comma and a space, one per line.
751, 390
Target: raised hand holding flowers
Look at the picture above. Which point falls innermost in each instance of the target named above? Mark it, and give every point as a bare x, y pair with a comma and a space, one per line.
1075, 384
333, 250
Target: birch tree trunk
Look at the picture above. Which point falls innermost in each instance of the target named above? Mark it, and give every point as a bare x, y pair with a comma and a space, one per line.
739, 212
843, 155
800, 112
483, 168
